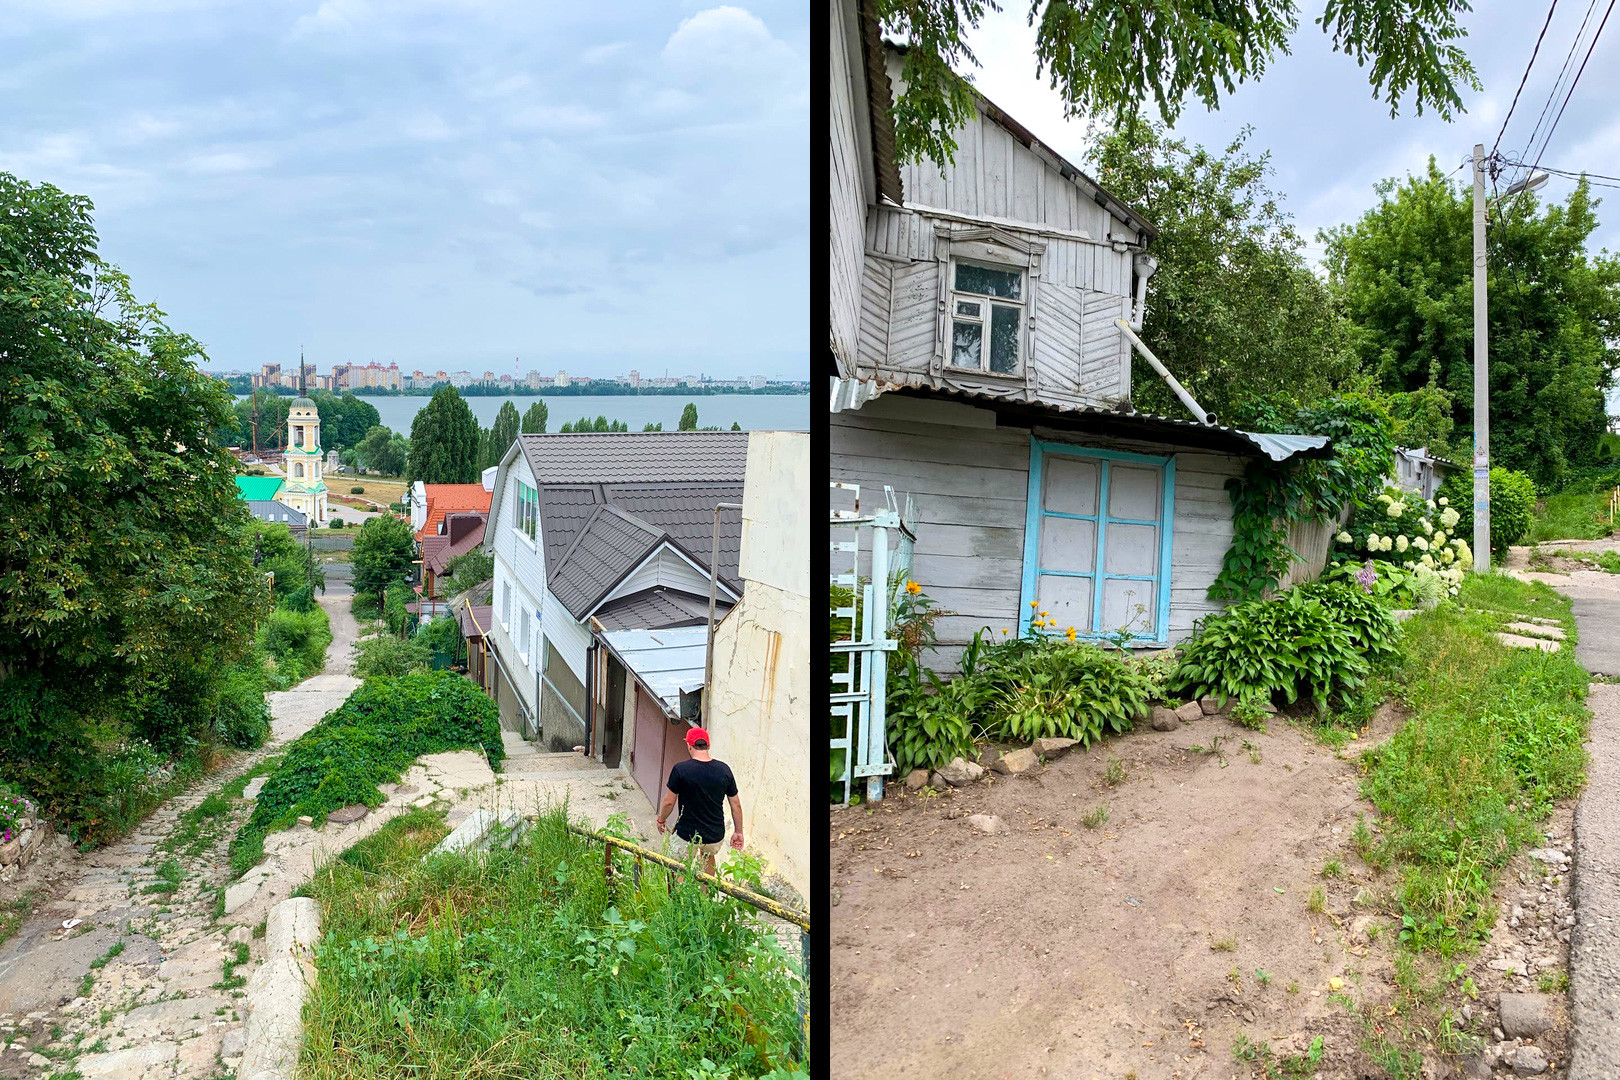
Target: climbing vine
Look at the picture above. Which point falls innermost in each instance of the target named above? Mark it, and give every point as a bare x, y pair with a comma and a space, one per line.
1272, 496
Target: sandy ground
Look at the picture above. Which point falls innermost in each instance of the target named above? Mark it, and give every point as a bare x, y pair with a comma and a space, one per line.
1130, 949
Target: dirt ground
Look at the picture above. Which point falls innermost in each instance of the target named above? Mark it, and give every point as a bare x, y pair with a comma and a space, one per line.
1133, 948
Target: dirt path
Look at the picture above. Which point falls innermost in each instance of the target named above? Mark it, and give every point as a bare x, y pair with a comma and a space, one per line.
124, 973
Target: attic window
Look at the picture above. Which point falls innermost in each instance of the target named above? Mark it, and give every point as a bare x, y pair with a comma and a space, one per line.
987, 317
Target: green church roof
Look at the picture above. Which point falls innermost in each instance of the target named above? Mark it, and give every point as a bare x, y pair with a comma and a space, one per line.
258, 488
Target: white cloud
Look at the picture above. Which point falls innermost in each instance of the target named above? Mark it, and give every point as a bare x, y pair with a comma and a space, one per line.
227, 161
724, 41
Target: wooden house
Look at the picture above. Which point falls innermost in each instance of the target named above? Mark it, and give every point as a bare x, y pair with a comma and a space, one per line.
980, 360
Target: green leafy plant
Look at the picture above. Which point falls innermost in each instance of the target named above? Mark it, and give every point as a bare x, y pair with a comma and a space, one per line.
1513, 505
1063, 689
387, 655
1256, 651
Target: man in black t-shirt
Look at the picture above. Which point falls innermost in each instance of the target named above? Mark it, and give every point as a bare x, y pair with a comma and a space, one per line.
703, 786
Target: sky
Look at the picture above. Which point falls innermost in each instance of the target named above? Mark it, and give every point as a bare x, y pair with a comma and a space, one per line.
1331, 141
479, 184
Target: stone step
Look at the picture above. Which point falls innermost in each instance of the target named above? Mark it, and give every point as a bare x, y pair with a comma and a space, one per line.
561, 775
474, 834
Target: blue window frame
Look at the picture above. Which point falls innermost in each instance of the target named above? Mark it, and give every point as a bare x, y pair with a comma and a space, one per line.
1097, 542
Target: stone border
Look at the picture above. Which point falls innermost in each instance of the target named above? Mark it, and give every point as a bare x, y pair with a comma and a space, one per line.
274, 1032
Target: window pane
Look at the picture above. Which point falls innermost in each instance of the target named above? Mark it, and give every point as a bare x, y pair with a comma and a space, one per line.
1132, 549
1003, 339
1067, 544
965, 340
1133, 492
1008, 284
964, 307
1132, 606
1071, 485
1066, 601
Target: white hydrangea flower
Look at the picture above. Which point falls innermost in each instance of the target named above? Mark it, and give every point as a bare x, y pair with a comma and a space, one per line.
1402, 543
1343, 538
1371, 541
1449, 517
1394, 510
1421, 544
1439, 536
1385, 498
1447, 555
1444, 501
1426, 525
1428, 560
1389, 542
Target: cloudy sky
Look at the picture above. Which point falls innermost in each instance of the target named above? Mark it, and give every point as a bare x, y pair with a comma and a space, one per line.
455, 183
1331, 141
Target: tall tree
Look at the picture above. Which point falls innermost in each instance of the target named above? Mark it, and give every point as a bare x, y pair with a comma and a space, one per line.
383, 451
502, 433
382, 554
344, 420
444, 441
534, 419
688, 418
1108, 59
1404, 272
1233, 285
125, 559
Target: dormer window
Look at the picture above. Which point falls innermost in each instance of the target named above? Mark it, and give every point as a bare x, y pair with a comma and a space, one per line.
987, 317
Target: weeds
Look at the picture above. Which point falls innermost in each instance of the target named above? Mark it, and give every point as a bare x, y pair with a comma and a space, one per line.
234, 959
168, 882
1114, 774
1225, 944
1095, 818
1262, 977
1553, 982
1316, 902
1332, 869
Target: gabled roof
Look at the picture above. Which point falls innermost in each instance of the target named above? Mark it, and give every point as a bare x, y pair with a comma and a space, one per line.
438, 551
609, 546
259, 488
276, 512
636, 457
659, 609
445, 499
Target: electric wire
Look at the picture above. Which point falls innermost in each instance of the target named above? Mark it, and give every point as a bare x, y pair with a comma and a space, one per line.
1573, 83
1558, 83
1525, 77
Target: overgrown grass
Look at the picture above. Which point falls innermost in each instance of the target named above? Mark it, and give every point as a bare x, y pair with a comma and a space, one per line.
526, 963
1495, 737
1571, 517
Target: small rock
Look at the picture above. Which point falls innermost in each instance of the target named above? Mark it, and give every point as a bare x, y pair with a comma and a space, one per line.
1189, 712
1524, 1016
1164, 719
305, 819
10, 851
239, 935
235, 1040
987, 756
38, 1061
837, 897
1505, 963
1014, 762
986, 823
1518, 912
961, 771
1529, 1061
1049, 748
253, 788
1208, 706
936, 781
916, 779
1550, 856
1478, 1068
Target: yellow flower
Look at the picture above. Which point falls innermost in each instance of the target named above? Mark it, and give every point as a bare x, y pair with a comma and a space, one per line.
1034, 603
913, 588
1071, 633
1003, 629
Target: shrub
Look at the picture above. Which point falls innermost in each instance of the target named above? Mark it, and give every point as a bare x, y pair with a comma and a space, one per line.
398, 508
443, 636
365, 606
1513, 505
298, 636
371, 739
1374, 630
1260, 649
357, 491
930, 720
386, 655
1066, 690
1402, 529
394, 613
241, 717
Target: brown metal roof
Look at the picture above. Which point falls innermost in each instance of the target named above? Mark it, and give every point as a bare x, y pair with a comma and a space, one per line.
879, 100
637, 457
658, 609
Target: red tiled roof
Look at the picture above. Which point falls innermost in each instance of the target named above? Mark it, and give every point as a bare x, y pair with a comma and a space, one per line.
445, 499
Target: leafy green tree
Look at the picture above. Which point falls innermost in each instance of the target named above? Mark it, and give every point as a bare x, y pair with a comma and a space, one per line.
344, 420
688, 418
382, 554
125, 559
1232, 285
1109, 59
383, 451
297, 574
654, 427
534, 419
1403, 273
269, 410
465, 571
502, 434
735, 426
444, 441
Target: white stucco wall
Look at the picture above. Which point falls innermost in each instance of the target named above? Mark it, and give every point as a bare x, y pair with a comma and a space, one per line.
759, 707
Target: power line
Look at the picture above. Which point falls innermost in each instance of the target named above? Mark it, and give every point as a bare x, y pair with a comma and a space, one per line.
1570, 173
1558, 83
1573, 83
1525, 77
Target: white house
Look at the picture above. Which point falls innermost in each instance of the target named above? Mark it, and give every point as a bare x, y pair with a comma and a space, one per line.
611, 530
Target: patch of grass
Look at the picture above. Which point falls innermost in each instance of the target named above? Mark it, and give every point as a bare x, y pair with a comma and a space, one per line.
234, 959
1225, 944
441, 966
1262, 976
1097, 817
1114, 774
1332, 869
1553, 982
113, 950
1316, 902
168, 882
1571, 517
15, 910
1494, 739
1292, 987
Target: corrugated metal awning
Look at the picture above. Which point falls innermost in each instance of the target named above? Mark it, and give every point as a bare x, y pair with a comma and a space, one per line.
666, 661
850, 394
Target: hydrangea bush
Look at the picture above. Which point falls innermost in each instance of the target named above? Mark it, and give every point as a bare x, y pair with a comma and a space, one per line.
1414, 536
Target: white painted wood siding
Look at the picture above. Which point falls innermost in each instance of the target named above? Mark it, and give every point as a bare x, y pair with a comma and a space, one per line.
969, 480
522, 568
569, 638
849, 196
666, 568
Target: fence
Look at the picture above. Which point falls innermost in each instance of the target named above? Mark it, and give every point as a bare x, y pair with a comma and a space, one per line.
747, 896
331, 540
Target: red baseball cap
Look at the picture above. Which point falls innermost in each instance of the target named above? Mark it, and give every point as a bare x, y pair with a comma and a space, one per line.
693, 735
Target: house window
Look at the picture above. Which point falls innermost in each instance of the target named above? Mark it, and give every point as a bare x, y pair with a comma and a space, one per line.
987, 318
506, 605
298, 470
1097, 542
528, 510
523, 650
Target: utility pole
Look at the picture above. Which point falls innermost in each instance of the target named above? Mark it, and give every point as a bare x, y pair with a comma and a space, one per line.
1482, 383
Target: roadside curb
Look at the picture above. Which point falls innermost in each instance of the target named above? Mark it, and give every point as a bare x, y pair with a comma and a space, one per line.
274, 1032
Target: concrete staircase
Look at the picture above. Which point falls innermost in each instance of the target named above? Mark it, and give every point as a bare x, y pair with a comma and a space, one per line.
525, 759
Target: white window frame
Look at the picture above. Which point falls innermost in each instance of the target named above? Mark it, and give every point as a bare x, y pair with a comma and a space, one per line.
506, 606
986, 304
1000, 249
526, 519
523, 647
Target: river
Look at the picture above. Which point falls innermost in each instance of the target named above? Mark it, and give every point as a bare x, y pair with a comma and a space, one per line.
764, 412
